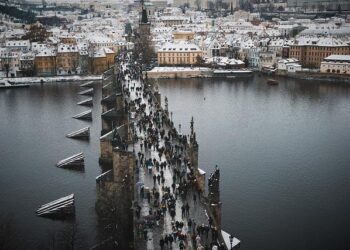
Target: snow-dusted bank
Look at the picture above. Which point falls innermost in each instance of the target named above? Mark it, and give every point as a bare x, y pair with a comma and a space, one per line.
195, 72
179, 72
33, 80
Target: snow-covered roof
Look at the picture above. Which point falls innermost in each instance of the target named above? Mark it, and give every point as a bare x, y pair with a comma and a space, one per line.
288, 60
18, 43
321, 41
179, 47
67, 48
46, 52
223, 60
338, 58
108, 51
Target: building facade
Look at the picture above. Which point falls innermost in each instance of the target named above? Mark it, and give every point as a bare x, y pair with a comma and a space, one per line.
336, 64
67, 59
179, 54
45, 63
319, 4
311, 52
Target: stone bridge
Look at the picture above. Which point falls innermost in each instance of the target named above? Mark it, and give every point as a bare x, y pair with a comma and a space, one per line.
151, 194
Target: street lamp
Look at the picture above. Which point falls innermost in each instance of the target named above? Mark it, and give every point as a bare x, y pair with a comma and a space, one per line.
231, 241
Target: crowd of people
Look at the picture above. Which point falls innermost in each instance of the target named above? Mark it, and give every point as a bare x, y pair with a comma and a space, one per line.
162, 150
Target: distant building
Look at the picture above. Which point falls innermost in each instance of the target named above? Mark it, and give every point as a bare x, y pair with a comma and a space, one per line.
101, 60
181, 53
183, 35
67, 59
319, 4
202, 4
9, 61
290, 65
26, 65
170, 21
310, 51
336, 64
18, 45
66, 39
45, 63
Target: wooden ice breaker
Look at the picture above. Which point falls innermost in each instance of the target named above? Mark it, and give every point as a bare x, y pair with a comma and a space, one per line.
60, 208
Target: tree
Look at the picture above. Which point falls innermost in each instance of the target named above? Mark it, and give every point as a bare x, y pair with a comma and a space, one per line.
36, 33
7, 68
246, 62
66, 238
199, 60
115, 216
8, 234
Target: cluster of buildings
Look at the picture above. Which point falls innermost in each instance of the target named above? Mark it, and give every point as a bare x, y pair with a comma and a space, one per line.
86, 44
285, 45
88, 41
68, 54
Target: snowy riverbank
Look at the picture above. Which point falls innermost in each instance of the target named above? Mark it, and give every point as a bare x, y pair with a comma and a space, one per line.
32, 80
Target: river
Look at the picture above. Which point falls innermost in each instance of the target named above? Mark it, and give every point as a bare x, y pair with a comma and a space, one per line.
283, 152
33, 125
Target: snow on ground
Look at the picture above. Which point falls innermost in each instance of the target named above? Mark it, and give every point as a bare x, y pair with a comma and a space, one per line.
177, 69
52, 79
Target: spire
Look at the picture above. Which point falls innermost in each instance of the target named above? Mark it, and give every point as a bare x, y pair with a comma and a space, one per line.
144, 18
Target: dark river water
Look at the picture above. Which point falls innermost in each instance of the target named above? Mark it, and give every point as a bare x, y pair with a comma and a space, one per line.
283, 151
33, 125
284, 155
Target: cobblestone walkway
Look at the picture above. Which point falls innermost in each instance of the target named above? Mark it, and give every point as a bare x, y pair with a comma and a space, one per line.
149, 237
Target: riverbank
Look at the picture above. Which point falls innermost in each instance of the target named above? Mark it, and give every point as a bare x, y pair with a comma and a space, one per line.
179, 72
37, 79
195, 72
316, 76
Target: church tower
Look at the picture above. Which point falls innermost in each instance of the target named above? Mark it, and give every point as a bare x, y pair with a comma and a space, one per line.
144, 25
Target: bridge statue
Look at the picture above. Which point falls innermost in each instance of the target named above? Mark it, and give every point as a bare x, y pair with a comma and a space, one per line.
214, 196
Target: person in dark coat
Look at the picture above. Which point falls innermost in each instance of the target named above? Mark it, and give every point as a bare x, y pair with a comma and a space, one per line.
171, 239
161, 243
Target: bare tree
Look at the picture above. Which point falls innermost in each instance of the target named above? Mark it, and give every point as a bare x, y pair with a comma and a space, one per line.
116, 218
8, 234
68, 237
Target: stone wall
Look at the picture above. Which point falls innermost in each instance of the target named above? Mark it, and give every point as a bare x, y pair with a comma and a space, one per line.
179, 74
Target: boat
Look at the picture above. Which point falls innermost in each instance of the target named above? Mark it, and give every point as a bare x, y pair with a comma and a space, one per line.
6, 84
73, 162
272, 82
83, 134
86, 115
60, 208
